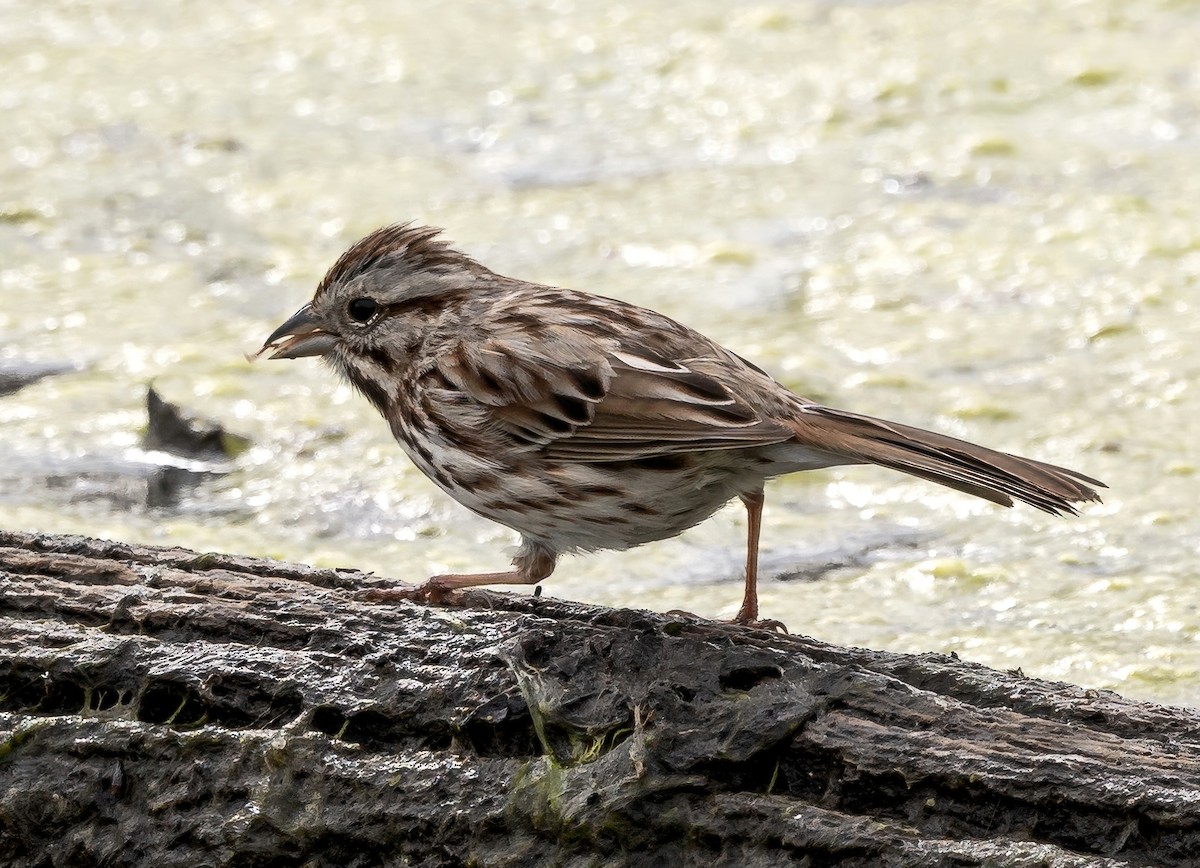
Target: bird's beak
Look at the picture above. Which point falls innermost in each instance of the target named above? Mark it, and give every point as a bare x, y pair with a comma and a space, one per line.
300, 336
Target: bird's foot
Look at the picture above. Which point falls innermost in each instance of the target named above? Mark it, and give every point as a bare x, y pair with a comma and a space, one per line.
427, 592
738, 620
747, 615
760, 624
387, 595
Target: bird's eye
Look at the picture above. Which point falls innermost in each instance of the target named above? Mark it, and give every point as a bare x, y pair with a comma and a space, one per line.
362, 309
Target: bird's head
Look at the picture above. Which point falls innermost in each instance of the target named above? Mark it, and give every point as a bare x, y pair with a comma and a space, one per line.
375, 302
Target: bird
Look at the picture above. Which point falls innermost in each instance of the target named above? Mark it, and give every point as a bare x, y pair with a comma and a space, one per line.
588, 423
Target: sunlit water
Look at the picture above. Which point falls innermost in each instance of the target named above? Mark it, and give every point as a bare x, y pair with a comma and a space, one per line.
980, 218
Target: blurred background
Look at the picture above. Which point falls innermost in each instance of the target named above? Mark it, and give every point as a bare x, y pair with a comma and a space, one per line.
982, 218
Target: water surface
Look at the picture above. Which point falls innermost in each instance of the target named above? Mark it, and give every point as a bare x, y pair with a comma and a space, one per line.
980, 218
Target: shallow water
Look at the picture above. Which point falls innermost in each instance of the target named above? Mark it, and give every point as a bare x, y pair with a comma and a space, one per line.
980, 218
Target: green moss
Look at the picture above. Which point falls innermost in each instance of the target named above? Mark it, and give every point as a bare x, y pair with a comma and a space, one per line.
19, 736
538, 788
205, 561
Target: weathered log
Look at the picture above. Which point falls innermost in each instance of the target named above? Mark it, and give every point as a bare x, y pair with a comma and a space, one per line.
159, 706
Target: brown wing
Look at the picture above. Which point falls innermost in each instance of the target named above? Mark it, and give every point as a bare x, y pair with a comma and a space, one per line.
567, 395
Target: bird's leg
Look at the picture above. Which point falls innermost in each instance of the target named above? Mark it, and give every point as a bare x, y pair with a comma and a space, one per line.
748, 613
533, 563
753, 502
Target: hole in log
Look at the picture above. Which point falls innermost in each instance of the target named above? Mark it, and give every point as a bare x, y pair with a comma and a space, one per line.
684, 692
171, 703
33, 692
29, 689
501, 727
746, 678
328, 720
242, 703
102, 697
570, 745
62, 697
373, 728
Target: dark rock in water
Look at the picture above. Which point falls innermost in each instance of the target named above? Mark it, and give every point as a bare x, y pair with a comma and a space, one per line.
16, 374
166, 486
172, 429
180, 452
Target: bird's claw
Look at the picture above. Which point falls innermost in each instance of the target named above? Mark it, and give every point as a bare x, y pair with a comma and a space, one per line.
423, 593
388, 595
754, 623
763, 624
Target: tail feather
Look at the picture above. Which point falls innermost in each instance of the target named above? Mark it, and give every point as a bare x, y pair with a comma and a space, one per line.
987, 473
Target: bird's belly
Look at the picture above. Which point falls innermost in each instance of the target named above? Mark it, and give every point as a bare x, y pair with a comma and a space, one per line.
587, 506
593, 506
592, 523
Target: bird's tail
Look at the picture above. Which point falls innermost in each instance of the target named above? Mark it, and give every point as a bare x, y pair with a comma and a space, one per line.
987, 473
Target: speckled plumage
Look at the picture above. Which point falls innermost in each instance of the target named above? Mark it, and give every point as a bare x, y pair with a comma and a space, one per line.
585, 423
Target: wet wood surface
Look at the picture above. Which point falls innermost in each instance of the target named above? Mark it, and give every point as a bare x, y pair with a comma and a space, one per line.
168, 707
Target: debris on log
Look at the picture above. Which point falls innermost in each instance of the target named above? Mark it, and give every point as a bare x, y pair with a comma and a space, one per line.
165, 707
